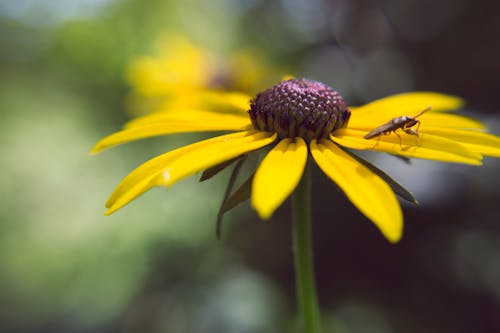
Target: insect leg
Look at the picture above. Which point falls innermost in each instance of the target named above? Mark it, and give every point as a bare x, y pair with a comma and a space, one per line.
399, 136
416, 131
376, 143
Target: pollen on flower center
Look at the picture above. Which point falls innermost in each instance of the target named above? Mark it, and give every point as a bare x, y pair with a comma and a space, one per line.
299, 108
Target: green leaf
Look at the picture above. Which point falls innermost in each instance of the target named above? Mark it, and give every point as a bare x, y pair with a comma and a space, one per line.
229, 188
405, 159
240, 195
209, 173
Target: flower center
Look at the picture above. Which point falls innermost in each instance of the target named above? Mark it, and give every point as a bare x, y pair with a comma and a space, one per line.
299, 107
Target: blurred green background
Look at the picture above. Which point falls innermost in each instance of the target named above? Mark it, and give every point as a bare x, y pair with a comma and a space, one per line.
156, 266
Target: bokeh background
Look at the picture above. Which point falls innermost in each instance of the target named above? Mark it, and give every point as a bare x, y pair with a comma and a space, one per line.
156, 265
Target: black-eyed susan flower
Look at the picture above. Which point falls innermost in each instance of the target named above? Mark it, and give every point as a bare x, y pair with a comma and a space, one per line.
182, 73
299, 119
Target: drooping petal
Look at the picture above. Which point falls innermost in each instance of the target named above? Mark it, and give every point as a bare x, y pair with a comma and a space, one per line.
426, 146
368, 122
367, 191
213, 123
171, 167
396, 187
213, 154
278, 175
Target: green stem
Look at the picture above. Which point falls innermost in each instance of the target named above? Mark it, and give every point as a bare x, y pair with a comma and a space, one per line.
302, 241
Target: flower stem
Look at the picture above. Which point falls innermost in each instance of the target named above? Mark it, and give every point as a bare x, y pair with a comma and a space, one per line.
302, 242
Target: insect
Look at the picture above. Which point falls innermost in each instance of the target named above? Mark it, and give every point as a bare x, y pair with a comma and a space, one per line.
405, 123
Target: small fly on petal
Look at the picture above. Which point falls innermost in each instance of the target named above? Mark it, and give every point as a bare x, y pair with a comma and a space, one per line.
405, 123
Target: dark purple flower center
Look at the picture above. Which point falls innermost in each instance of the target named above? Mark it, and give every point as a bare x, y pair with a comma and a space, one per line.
299, 107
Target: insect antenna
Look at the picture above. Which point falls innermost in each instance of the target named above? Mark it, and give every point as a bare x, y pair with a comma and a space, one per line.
423, 111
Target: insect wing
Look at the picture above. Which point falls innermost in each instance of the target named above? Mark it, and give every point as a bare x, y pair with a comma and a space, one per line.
380, 130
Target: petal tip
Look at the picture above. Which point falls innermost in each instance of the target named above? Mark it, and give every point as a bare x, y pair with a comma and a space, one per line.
94, 151
394, 237
263, 211
109, 212
264, 214
392, 228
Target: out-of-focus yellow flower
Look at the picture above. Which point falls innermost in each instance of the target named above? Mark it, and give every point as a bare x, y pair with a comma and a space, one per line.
179, 66
182, 74
298, 119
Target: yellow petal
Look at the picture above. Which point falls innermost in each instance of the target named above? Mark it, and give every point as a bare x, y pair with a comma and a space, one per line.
187, 115
478, 142
426, 146
213, 100
224, 101
148, 170
412, 103
363, 121
434, 119
213, 123
367, 191
287, 77
213, 154
185, 101
278, 175
171, 167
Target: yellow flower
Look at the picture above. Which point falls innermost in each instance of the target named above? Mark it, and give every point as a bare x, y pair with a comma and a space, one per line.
298, 118
182, 73
180, 66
